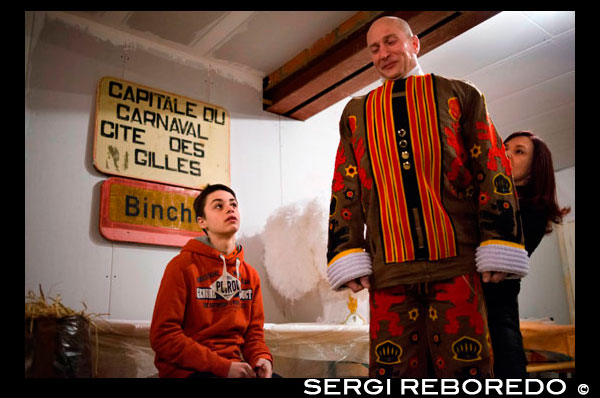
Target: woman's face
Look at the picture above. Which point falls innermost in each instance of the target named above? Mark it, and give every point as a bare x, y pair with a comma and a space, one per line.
520, 153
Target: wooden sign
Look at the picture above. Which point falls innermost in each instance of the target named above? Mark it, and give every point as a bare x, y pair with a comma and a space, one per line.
153, 135
143, 212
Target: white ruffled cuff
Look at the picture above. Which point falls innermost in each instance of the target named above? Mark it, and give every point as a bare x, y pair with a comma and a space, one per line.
510, 258
349, 267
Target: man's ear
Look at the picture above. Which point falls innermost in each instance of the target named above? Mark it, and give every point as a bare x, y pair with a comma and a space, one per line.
416, 44
201, 222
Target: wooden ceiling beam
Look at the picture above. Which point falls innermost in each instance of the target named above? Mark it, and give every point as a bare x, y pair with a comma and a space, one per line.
339, 64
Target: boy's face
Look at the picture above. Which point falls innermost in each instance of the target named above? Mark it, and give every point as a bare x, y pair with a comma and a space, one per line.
221, 214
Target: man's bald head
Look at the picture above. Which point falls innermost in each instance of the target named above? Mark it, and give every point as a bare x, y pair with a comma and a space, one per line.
399, 23
393, 47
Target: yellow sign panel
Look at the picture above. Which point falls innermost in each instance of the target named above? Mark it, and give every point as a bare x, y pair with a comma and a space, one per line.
146, 212
156, 136
141, 206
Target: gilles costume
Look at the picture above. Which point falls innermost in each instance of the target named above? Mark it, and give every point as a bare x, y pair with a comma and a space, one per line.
208, 313
421, 166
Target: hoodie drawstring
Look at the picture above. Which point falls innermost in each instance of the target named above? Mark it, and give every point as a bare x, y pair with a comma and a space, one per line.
237, 265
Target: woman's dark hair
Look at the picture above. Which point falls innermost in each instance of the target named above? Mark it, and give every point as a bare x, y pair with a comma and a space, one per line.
541, 180
200, 200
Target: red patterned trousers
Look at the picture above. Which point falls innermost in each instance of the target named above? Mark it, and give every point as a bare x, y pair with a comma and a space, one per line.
431, 329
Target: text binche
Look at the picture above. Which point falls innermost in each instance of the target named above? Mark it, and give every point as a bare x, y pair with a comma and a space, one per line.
157, 210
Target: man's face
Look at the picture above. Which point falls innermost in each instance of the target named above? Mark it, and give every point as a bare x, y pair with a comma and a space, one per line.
393, 53
221, 214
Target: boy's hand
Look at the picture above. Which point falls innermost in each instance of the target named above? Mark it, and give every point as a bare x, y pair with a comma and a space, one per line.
264, 368
240, 370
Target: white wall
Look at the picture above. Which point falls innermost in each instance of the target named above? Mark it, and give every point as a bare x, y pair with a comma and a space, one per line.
274, 161
543, 291
64, 251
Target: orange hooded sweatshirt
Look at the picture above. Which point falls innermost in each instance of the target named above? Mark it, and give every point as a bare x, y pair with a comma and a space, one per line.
208, 313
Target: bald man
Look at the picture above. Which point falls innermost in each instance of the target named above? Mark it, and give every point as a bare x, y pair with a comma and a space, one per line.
423, 206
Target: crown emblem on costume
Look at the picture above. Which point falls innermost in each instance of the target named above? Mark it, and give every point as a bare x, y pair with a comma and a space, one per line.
466, 349
502, 184
332, 206
388, 353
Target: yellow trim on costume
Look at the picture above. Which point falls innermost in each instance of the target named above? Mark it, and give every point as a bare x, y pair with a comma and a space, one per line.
503, 243
344, 253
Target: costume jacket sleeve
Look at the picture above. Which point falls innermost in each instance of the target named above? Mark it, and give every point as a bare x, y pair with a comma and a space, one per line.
346, 255
167, 337
501, 245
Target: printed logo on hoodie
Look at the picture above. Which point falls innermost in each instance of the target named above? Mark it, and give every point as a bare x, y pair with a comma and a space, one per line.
226, 286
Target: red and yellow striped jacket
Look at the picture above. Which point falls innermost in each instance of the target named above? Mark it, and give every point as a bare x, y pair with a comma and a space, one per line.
421, 166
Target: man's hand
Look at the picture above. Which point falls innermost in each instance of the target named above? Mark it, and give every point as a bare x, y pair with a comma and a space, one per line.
240, 370
493, 277
264, 368
359, 284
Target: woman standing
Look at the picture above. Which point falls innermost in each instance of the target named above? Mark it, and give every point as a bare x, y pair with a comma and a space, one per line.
533, 174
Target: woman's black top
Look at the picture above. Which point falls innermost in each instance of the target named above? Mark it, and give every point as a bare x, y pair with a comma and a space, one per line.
532, 217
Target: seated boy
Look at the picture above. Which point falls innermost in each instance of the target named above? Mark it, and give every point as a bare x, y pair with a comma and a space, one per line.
208, 316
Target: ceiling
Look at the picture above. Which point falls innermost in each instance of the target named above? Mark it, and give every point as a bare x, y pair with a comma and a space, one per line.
524, 62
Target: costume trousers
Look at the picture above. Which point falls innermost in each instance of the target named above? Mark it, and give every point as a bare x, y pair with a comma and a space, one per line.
433, 329
503, 320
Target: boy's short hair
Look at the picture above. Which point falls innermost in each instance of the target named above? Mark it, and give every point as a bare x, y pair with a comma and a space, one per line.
200, 200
